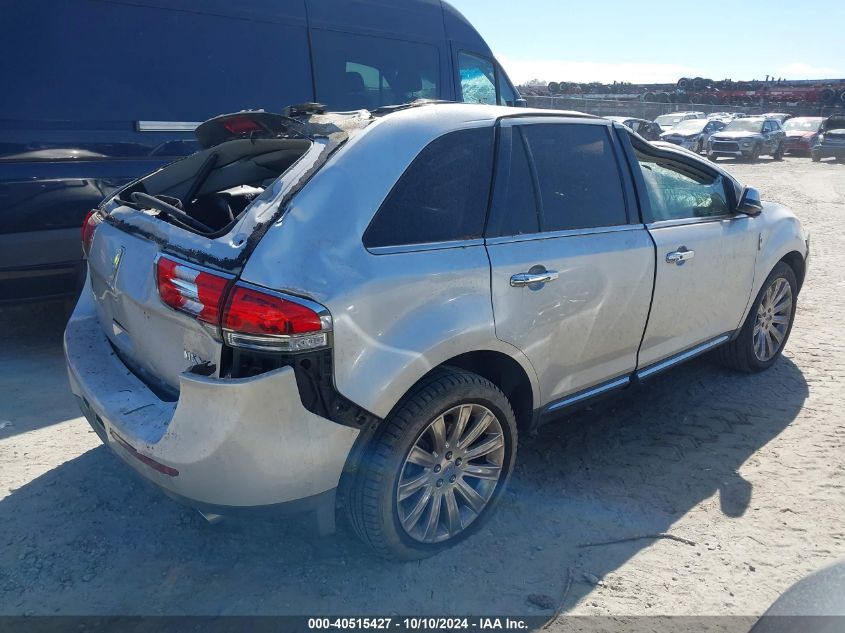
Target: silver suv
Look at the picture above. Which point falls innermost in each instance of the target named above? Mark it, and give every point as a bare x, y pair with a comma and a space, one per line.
359, 312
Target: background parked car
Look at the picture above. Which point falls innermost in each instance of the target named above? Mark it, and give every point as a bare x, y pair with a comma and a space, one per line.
649, 130
693, 134
801, 133
830, 143
99, 93
780, 116
749, 139
667, 121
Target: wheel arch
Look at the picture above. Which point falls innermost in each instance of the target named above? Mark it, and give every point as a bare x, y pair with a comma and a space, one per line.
796, 262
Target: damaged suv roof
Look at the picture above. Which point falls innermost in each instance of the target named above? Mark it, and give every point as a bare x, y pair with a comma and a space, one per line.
419, 123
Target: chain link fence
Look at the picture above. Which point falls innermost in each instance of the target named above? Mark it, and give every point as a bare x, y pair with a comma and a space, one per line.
650, 111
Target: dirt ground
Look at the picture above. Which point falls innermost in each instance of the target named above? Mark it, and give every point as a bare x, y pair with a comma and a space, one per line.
750, 470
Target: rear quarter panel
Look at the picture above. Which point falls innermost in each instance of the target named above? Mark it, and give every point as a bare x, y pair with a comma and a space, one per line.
396, 316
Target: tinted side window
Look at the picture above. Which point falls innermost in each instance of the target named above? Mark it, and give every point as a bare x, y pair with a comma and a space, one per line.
579, 182
360, 71
442, 196
507, 96
516, 209
678, 191
478, 79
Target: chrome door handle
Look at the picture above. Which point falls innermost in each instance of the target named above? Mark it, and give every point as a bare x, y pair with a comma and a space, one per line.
526, 279
679, 257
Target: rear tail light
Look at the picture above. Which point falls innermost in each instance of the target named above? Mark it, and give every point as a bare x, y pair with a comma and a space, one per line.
261, 320
252, 318
191, 290
89, 225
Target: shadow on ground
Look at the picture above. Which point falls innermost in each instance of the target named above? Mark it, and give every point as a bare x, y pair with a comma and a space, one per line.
31, 354
89, 538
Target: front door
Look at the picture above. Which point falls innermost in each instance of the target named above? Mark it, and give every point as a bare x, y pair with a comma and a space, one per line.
705, 254
571, 273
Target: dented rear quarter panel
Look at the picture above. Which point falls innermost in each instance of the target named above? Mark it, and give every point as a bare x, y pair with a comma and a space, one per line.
396, 316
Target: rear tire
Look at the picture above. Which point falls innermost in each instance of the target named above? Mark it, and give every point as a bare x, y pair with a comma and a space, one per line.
815, 157
426, 446
743, 353
778, 155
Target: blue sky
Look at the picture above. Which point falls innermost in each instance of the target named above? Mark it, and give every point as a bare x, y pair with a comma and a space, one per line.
556, 40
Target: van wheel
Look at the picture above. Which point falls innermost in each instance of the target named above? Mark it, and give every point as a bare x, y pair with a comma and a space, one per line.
434, 471
766, 329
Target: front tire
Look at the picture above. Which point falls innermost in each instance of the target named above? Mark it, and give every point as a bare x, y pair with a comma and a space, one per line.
778, 155
763, 336
434, 471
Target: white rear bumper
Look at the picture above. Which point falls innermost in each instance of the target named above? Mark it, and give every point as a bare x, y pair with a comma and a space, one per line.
238, 442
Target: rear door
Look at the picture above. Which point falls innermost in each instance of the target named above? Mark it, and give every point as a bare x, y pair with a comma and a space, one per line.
705, 253
571, 267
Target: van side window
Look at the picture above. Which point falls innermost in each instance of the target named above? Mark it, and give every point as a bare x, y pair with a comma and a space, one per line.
478, 79
579, 182
361, 71
442, 196
679, 191
507, 96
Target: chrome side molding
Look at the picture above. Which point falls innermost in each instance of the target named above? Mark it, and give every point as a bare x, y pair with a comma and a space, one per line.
679, 358
167, 126
589, 393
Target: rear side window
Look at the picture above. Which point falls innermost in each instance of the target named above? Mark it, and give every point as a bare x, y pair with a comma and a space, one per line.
360, 71
442, 196
578, 178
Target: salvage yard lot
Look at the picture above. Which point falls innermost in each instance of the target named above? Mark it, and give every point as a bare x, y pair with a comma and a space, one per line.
748, 469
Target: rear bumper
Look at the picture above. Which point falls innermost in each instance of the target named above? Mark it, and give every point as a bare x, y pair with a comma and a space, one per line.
225, 445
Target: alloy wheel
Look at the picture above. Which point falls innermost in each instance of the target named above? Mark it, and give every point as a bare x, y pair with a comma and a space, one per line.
450, 473
773, 317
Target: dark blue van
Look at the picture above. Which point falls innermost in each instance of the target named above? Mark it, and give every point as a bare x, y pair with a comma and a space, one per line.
99, 92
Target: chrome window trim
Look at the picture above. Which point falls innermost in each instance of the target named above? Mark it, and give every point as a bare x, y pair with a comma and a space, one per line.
528, 237
679, 358
425, 246
589, 393
687, 221
513, 121
167, 126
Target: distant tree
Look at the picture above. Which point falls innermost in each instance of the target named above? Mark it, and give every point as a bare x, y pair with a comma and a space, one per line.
536, 82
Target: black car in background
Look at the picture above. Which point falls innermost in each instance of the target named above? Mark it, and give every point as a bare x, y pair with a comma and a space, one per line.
649, 130
96, 94
830, 143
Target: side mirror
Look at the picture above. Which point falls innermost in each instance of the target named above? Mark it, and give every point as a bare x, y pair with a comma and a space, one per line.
749, 202
521, 103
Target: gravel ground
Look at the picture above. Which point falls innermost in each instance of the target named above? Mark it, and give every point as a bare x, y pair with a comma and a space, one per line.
748, 470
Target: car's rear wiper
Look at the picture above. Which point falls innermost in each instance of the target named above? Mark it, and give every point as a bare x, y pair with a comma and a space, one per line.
158, 204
